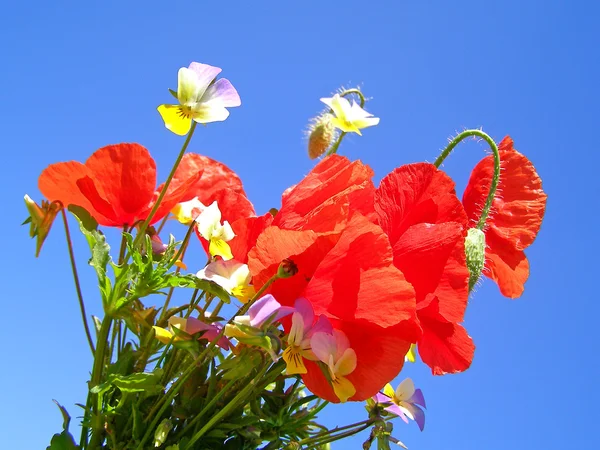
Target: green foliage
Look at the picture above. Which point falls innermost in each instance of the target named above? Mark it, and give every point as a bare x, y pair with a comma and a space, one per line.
64, 440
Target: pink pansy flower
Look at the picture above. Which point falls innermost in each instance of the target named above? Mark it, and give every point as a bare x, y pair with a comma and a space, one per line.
233, 276
405, 402
299, 338
334, 350
190, 326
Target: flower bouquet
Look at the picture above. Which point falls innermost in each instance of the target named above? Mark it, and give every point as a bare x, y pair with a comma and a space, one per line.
321, 300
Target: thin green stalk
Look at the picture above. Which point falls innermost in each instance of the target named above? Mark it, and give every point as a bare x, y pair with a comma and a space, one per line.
224, 390
142, 230
170, 394
162, 223
326, 433
77, 285
335, 146
226, 409
97, 369
123, 246
494, 185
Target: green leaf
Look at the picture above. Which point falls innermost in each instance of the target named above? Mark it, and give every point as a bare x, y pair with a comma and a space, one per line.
84, 217
138, 382
213, 288
65, 414
173, 93
62, 441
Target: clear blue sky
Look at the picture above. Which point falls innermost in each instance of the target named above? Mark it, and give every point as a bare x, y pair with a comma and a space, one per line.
77, 76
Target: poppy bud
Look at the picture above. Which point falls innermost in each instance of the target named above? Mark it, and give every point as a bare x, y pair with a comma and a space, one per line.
475, 251
287, 269
321, 134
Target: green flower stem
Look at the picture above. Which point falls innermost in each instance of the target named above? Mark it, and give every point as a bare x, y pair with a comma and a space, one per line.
336, 437
327, 433
224, 390
97, 370
336, 144
123, 247
356, 92
234, 403
162, 223
163, 404
77, 284
494, 185
142, 230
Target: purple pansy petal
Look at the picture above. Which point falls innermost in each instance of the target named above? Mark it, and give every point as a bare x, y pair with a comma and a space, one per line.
395, 409
419, 416
417, 398
382, 398
322, 325
304, 307
266, 307
205, 73
194, 326
222, 92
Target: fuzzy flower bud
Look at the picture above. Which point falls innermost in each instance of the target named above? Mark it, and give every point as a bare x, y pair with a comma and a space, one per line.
321, 134
475, 251
162, 431
287, 269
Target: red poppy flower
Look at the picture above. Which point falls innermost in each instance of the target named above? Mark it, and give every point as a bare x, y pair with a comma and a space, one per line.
515, 217
348, 277
116, 185
426, 224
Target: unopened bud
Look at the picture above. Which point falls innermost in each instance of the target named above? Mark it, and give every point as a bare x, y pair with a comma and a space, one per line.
162, 432
321, 134
475, 251
287, 269
40, 220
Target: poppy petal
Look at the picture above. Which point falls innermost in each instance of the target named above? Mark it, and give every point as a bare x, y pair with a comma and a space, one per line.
432, 258
317, 202
515, 218
125, 176
59, 182
506, 266
416, 193
357, 276
444, 346
246, 231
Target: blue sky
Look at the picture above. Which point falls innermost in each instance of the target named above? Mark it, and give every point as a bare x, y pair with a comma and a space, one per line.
78, 76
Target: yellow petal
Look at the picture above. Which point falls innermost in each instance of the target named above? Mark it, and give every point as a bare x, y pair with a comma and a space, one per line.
243, 293
294, 362
388, 390
347, 363
175, 119
411, 355
343, 125
179, 263
218, 247
162, 335
343, 388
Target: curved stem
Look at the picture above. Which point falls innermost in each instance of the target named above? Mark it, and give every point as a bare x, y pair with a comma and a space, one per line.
163, 191
77, 285
495, 179
336, 144
356, 92
327, 433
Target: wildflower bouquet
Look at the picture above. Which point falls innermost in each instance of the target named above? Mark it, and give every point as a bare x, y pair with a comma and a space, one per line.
319, 301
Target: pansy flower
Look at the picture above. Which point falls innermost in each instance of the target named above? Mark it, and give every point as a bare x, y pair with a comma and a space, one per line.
405, 402
350, 118
201, 98
116, 185
189, 327
265, 308
334, 350
515, 218
303, 327
233, 276
215, 233
426, 224
40, 219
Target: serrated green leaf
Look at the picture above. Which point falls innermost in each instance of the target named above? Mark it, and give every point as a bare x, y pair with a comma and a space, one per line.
138, 382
